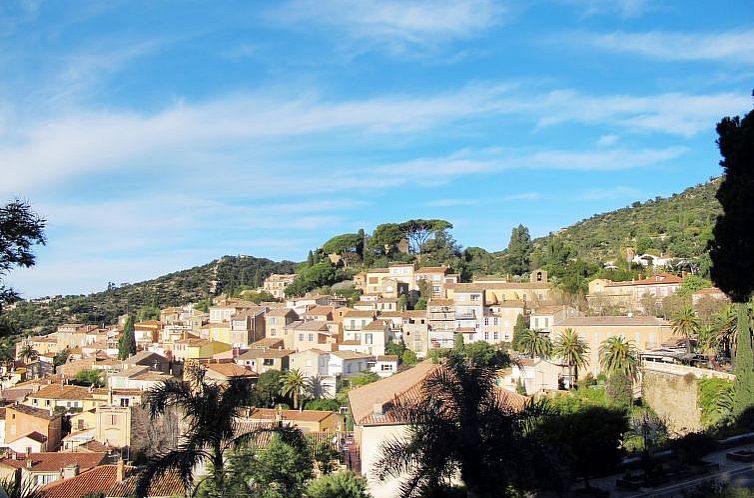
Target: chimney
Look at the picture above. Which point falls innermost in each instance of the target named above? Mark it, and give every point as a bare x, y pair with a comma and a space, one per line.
29, 463
28, 452
120, 471
70, 470
377, 409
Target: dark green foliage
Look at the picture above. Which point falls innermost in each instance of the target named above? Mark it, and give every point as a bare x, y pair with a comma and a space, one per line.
322, 404
715, 400
127, 341
20, 229
312, 277
587, 441
175, 289
385, 239
21, 488
89, 378
518, 254
409, 358
483, 354
341, 244
418, 232
620, 390
266, 393
326, 456
148, 313
744, 369
518, 333
733, 241
344, 484
693, 446
396, 348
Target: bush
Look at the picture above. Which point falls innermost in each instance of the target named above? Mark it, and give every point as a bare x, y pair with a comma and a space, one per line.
344, 484
692, 447
322, 404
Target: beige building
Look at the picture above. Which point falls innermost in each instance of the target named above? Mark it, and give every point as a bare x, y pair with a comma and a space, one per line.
646, 332
276, 283
631, 296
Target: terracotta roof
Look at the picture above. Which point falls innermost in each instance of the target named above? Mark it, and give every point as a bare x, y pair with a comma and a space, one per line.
350, 355
432, 269
34, 412
313, 326
94, 446
440, 302
58, 391
378, 325
547, 310
267, 342
103, 479
660, 278
479, 286
231, 370
15, 394
611, 321
253, 354
281, 312
359, 314
378, 270
387, 357
292, 415
320, 310
35, 436
54, 461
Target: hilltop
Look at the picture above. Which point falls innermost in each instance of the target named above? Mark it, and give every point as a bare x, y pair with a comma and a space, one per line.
676, 226
186, 286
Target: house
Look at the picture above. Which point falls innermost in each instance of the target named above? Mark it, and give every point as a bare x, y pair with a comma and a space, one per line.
354, 321
139, 377
112, 481
385, 365
154, 361
224, 372
262, 360
63, 398
634, 296
375, 421
534, 375
500, 320
40, 468
441, 318
310, 362
147, 333
276, 283
193, 348
277, 320
348, 363
415, 330
535, 292
438, 278
315, 421
544, 317
23, 420
320, 313
646, 332
314, 334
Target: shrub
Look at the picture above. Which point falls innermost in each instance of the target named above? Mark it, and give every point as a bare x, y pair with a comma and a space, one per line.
693, 446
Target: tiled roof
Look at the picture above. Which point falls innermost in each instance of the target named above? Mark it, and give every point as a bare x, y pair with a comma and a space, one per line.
432, 269
103, 479
378, 325
387, 357
313, 326
267, 342
269, 353
231, 370
350, 355
36, 436
53, 461
292, 415
320, 310
58, 391
612, 321
660, 278
359, 314
34, 412
281, 312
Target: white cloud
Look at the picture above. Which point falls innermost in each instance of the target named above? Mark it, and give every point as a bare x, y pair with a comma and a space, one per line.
395, 25
608, 140
729, 46
622, 8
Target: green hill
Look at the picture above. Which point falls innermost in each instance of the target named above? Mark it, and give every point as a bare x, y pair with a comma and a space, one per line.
192, 285
676, 226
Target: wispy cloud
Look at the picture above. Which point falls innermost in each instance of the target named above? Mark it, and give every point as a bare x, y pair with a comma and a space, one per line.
622, 8
394, 25
452, 202
728, 46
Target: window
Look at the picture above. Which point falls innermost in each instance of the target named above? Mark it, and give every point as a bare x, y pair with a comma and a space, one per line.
113, 420
47, 402
311, 337
368, 339
496, 336
486, 336
80, 424
486, 321
301, 337
363, 323
386, 367
475, 297
124, 402
268, 362
357, 337
273, 332
496, 320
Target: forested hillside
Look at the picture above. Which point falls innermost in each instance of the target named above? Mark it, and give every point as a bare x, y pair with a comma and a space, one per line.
229, 273
676, 226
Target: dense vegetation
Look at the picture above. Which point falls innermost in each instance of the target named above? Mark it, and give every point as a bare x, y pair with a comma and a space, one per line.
228, 274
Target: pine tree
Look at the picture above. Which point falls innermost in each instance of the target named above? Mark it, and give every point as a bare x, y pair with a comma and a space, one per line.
127, 342
519, 251
733, 241
310, 259
257, 279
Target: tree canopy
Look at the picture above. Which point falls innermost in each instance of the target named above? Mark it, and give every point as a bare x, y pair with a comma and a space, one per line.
20, 230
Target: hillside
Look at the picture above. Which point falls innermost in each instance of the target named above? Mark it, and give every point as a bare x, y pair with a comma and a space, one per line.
192, 285
676, 226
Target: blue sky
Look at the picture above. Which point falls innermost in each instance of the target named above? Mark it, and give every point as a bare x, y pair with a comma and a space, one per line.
158, 135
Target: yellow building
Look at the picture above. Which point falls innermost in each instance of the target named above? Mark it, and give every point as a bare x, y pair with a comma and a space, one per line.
306, 420
646, 332
64, 398
193, 349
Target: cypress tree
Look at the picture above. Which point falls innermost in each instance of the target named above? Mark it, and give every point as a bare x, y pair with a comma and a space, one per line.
257, 279
732, 245
127, 342
310, 259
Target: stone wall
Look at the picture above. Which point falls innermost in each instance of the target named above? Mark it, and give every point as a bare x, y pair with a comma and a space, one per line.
674, 398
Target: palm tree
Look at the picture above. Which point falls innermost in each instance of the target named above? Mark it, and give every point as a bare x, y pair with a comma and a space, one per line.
211, 429
293, 383
573, 350
536, 344
19, 488
619, 356
28, 353
726, 323
315, 387
460, 425
686, 324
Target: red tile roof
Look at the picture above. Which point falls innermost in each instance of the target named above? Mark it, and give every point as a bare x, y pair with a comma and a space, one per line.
50, 461
103, 479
